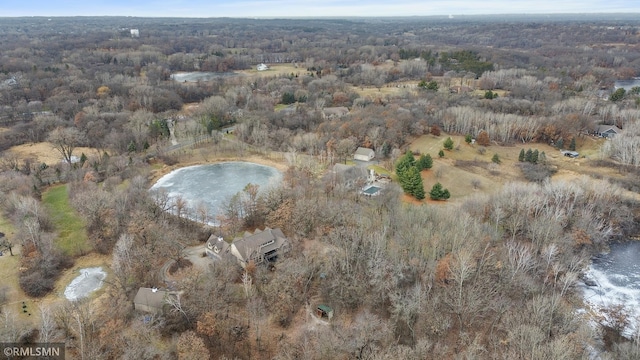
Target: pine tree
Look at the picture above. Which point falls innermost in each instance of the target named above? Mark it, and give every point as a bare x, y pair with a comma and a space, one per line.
496, 159
438, 193
468, 138
414, 183
534, 156
560, 144
521, 156
441, 153
448, 144
425, 162
528, 155
572, 145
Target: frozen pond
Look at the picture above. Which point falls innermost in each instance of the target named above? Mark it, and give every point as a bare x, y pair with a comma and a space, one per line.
627, 84
200, 76
89, 280
617, 276
210, 186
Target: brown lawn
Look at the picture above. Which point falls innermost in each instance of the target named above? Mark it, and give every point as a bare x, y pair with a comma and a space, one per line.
44, 152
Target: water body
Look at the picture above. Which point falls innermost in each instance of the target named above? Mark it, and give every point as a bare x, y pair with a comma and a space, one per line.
89, 280
200, 76
617, 276
627, 84
214, 184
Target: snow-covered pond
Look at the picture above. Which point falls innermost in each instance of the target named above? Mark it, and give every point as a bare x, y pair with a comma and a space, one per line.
211, 186
200, 76
617, 278
89, 280
627, 84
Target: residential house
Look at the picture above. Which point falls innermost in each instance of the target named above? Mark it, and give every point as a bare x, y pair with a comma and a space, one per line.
260, 246
349, 176
216, 246
262, 67
607, 131
364, 154
152, 300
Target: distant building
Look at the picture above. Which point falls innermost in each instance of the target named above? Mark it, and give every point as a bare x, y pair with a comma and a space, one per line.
262, 67
607, 131
571, 154
152, 300
135, 33
364, 154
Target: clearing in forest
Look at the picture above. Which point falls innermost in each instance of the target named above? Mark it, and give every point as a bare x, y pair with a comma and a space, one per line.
72, 235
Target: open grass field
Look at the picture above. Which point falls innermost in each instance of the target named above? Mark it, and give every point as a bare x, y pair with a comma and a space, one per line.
72, 235
45, 153
276, 70
465, 170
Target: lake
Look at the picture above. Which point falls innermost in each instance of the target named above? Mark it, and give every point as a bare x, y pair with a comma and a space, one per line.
627, 84
214, 184
200, 76
617, 276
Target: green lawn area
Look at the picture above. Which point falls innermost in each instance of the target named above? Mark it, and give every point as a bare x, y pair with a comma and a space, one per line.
72, 235
379, 169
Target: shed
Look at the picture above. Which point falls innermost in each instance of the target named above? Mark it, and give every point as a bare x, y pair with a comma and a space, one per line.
324, 311
364, 154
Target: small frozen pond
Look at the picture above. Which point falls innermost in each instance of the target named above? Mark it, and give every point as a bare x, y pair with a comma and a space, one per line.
617, 276
213, 185
89, 280
200, 76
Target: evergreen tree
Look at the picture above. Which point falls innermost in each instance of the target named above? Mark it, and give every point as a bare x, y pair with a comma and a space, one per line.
438, 193
288, 98
572, 145
528, 155
617, 95
432, 85
425, 162
386, 149
132, 147
441, 153
542, 158
521, 156
534, 156
448, 144
468, 138
496, 159
414, 184
560, 144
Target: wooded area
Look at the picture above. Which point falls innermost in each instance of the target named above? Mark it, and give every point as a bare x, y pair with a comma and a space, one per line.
433, 273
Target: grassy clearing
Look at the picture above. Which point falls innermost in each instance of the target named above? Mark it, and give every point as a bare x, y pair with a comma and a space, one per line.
379, 169
72, 235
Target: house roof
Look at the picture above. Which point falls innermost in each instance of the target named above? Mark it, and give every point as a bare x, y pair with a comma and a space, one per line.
254, 245
601, 129
325, 308
151, 297
364, 151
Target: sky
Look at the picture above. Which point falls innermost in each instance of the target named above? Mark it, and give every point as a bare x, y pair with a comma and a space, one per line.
307, 8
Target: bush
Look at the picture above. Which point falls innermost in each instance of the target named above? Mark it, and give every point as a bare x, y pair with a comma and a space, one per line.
435, 130
441, 153
536, 172
496, 159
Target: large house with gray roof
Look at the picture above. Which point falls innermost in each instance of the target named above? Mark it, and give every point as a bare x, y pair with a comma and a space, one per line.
256, 247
